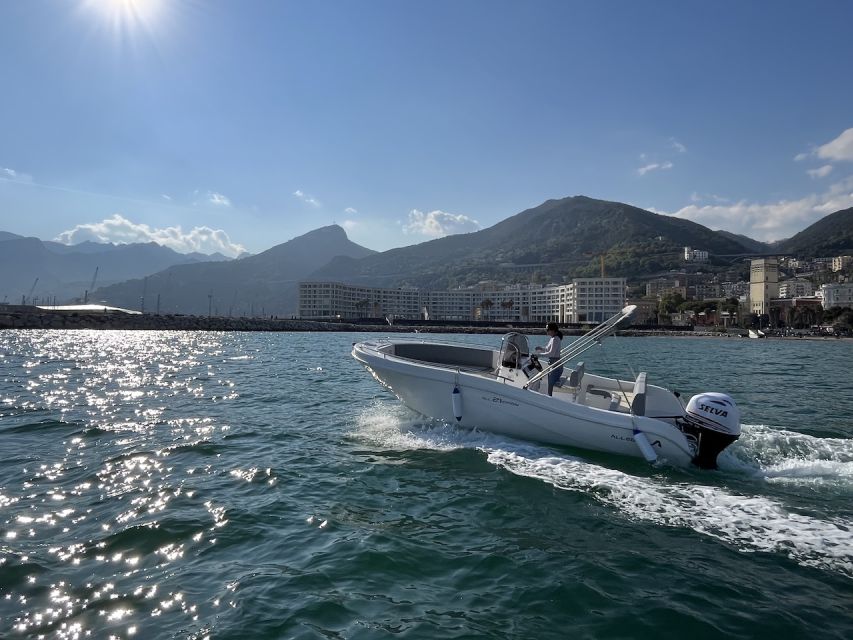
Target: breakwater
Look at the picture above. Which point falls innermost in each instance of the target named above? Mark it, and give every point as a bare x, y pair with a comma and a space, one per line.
46, 319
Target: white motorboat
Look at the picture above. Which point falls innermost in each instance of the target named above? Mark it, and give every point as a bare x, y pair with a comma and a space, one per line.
497, 390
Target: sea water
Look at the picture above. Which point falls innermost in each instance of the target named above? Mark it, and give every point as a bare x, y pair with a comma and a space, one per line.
264, 485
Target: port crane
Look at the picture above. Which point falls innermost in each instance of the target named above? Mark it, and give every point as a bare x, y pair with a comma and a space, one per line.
30, 294
91, 287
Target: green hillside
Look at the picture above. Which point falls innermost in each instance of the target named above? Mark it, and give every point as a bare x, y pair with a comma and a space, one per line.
558, 239
832, 235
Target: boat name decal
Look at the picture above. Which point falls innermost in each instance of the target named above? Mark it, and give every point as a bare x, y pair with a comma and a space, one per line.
717, 412
656, 443
498, 400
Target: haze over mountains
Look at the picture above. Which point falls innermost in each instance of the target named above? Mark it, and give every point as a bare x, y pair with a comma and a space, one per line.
66, 271
264, 283
557, 240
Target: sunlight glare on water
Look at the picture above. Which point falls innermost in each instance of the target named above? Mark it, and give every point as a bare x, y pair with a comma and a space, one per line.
178, 484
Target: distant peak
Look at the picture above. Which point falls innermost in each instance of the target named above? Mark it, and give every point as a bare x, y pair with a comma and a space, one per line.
331, 231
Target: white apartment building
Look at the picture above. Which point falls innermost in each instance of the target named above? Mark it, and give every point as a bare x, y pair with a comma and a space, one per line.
796, 289
695, 255
836, 295
583, 300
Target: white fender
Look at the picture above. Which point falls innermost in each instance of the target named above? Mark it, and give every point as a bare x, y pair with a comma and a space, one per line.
457, 403
644, 445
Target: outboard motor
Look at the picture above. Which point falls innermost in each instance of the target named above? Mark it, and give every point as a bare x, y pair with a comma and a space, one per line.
714, 420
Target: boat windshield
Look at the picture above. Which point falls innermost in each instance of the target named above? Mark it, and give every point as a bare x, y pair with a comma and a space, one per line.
514, 348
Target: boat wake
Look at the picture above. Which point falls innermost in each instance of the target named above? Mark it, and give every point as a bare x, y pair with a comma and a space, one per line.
749, 523
781, 456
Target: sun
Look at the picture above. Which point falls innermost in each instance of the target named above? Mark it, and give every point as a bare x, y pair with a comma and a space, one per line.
128, 15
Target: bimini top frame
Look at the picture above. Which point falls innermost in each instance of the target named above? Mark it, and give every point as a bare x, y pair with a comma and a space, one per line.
586, 341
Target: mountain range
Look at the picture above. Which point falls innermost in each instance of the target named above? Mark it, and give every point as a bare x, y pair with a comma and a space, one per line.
265, 283
67, 271
557, 240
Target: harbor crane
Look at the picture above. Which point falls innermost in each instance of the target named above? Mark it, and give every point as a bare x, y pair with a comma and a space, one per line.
30, 294
91, 287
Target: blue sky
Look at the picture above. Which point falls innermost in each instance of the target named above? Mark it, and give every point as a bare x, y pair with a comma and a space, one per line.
229, 126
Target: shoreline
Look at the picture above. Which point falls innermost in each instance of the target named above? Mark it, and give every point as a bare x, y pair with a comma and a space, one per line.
168, 322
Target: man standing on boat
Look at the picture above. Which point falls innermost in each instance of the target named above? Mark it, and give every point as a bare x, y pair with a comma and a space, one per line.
552, 352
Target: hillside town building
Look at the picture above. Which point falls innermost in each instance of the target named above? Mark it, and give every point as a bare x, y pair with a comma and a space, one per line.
840, 263
581, 300
695, 255
763, 284
836, 295
797, 288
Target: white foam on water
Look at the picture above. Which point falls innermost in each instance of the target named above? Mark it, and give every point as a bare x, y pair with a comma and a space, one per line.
748, 523
396, 427
782, 456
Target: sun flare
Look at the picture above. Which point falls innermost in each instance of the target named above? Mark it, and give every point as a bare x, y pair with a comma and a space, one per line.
128, 15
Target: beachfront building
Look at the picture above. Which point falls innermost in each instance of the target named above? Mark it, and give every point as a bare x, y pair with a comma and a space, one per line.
797, 288
593, 299
582, 300
333, 300
836, 295
763, 284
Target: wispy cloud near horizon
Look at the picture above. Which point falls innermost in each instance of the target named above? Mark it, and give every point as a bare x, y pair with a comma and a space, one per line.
15, 176
654, 166
299, 193
820, 172
771, 221
680, 148
218, 199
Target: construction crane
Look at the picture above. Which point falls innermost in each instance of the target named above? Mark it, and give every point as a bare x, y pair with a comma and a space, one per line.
91, 287
30, 294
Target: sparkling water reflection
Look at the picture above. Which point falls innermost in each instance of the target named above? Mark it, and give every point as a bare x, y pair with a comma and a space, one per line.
179, 484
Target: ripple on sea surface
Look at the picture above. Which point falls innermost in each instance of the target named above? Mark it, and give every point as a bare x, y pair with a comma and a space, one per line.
169, 484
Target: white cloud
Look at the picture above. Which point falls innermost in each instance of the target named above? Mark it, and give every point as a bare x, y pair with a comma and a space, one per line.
700, 197
437, 224
677, 145
351, 211
839, 149
802, 156
306, 198
820, 172
166, 197
120, 230
14, 176
349, 225
654, 166
218, 199
772, 220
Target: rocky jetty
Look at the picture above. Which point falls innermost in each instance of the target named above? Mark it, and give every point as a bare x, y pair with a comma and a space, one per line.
35, 318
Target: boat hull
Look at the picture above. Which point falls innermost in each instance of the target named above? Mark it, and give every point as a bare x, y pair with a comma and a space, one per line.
496, 405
